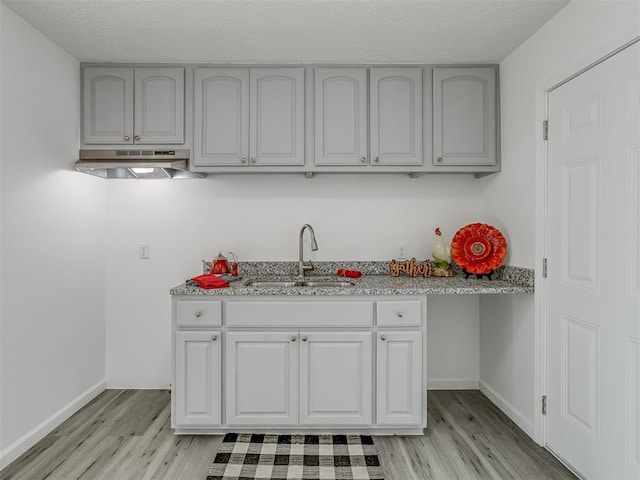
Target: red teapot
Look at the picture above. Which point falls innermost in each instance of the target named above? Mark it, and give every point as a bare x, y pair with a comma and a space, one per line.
219, 264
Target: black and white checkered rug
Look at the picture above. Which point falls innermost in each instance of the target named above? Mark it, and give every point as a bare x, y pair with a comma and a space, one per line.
301, 457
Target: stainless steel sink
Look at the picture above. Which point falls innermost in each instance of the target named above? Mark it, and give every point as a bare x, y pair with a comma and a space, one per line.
298, 283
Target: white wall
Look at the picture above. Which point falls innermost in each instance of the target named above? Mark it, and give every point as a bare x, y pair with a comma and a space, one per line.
570, 41
52, 355
259, 217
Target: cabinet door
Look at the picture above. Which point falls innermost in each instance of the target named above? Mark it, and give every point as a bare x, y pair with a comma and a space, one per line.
107, 105
261, 386
221, 123
159, 105
400, 386
396, 116
341, 116
197, 389
464, 116
336, 378
277, 116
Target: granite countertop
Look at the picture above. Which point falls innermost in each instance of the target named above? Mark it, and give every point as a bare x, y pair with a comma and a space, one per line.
375, 281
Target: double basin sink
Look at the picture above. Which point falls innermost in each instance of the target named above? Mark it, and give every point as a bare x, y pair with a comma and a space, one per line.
298, 283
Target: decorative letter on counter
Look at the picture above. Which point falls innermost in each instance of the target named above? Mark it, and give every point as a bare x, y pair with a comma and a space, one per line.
410, 268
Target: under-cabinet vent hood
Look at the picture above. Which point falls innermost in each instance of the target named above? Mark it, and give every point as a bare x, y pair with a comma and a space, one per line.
136, 164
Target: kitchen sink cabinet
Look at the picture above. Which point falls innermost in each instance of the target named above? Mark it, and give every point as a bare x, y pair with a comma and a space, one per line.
336, 378
248, 117
197, 378
394, 122
299, 362
464, 117
133, 105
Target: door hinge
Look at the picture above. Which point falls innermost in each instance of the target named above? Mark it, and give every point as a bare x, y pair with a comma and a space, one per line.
544, 268
544, 404
545, 130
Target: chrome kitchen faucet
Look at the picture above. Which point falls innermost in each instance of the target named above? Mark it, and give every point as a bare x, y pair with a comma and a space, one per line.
303, 267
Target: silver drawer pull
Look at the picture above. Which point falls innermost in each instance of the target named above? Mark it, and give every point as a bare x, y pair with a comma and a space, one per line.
198, 314
383, 337
304, 339
293, 339
363, 159
214, 338
400, 314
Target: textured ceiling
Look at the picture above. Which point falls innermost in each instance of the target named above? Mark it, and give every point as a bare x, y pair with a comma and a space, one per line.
270, 31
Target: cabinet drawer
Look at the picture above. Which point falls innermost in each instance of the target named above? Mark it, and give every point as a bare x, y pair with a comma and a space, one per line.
198, 313
299, 314
399, 313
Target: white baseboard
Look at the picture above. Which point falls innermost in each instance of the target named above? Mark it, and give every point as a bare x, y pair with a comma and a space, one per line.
509, 410
32, 437
452, 384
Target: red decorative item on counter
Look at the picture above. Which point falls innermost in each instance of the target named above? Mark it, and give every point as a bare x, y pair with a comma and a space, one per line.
210, 281
478, 249
219, 264
349, 273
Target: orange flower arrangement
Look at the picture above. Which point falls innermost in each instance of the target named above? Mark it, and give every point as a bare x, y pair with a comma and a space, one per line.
478, 248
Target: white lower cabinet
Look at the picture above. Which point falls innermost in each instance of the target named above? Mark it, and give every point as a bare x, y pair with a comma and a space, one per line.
322, 364
197, 379
305, 378
336, 381
261, 386
399, 370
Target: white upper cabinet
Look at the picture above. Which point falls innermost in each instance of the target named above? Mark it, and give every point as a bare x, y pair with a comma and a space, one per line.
107, 105
341, 116
158, 114
382, 127
464, 116
141, 105
249, 116
277, 116
396, 116
221, 135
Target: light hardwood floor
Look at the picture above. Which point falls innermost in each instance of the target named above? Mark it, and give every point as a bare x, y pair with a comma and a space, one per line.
126, 434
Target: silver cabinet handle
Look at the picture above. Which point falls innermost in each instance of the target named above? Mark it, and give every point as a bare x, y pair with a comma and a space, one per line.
383, 337
253, 159
439, 160
137, 137
126, 137
363, 159
304, 339
377, 160
400, 314
214, 338
198, 314
243, 159
293, 339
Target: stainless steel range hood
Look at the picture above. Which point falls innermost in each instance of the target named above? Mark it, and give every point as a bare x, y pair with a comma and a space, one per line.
137, 164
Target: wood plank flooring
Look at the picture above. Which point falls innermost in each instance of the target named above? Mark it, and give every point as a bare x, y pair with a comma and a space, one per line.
126, 434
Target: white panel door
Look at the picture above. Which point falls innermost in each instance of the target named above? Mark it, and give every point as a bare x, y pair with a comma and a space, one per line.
197, 388
221, 122
396, 115
464, 116
336, 378
593, 311
159, 105
107, 105
277, 116
261, 384
399, 378
341, 116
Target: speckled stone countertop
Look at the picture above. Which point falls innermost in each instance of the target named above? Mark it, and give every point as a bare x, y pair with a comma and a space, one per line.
375, 281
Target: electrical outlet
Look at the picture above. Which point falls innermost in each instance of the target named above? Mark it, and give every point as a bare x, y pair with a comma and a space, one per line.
143, 251
402, 251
